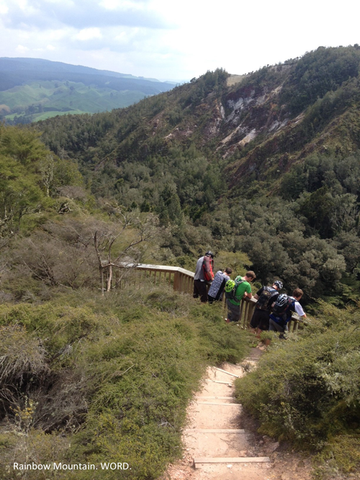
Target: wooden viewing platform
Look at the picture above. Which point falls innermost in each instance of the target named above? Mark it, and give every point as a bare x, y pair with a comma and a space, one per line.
182, 281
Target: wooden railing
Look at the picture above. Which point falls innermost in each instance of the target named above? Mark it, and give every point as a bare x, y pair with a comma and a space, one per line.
247, 307
182, 281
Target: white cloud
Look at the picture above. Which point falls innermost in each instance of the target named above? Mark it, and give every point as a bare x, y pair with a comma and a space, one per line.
88, 34
3, 8
21, 49
121, 5
168, 40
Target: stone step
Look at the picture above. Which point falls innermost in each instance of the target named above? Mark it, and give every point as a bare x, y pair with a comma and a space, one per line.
226, 372
207, 400
219, 382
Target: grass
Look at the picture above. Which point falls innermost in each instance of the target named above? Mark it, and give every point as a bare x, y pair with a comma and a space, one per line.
60, 98
112, 376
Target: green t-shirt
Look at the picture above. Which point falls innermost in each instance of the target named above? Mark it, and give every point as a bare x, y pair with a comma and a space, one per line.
241, 289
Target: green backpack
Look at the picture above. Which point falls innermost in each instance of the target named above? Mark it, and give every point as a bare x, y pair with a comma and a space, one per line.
230, 288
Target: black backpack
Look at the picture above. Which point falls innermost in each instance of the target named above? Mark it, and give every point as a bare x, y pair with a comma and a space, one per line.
263, 301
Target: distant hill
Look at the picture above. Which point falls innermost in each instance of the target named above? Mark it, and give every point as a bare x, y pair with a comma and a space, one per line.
35, 89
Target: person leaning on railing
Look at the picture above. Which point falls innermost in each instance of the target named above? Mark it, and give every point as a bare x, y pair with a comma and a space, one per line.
243, 290
265, 297
279, 323
216, 289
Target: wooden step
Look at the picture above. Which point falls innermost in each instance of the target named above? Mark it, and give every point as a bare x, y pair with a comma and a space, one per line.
218, 460
226, 372
214, 430
214, 398
219, 403
217, 381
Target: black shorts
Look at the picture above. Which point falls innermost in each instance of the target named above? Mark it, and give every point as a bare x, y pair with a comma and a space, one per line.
200, 290
260, 319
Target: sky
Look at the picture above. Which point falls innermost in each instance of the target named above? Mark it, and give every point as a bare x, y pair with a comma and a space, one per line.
175, 41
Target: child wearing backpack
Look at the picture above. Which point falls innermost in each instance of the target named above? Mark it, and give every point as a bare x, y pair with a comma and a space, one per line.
235, 290
282, 310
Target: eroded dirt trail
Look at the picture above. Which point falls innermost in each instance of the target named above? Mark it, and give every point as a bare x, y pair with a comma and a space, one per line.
222, 444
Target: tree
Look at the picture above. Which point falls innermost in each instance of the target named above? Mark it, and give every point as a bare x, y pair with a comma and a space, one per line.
23, 145
268, 256
111, 249
318, 208
169, 205
314, 265
20, 193
47, 172
348, 244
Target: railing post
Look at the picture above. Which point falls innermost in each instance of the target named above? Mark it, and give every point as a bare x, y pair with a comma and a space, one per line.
293, 324
177, 281
190, 285
247, 309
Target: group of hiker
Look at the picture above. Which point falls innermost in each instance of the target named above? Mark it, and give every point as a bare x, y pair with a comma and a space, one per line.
273, 309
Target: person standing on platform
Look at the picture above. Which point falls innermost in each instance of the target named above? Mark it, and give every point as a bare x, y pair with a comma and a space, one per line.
240, 289
204, 275
216, 289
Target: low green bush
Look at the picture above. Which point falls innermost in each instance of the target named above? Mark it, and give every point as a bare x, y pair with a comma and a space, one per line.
118, 374
340, 457
300, 388
306, 389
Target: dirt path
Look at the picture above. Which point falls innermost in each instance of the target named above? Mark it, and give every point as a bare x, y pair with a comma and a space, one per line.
221, 443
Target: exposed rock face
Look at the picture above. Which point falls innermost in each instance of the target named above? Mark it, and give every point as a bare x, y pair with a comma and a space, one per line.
250, 112
231, 122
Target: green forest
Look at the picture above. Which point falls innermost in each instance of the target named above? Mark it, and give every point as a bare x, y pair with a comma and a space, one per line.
265, 172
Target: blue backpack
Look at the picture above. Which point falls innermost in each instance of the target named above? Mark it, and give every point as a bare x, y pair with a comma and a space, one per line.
282, 304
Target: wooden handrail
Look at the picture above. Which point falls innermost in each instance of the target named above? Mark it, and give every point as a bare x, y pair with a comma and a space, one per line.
247, 307
181, 279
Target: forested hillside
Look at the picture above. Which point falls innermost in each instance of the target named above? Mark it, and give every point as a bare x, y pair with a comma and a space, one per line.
264, 170
267, 163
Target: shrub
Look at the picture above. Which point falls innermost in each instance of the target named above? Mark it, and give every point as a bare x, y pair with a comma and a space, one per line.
21, 358
122, 369
341, 455
306, 390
